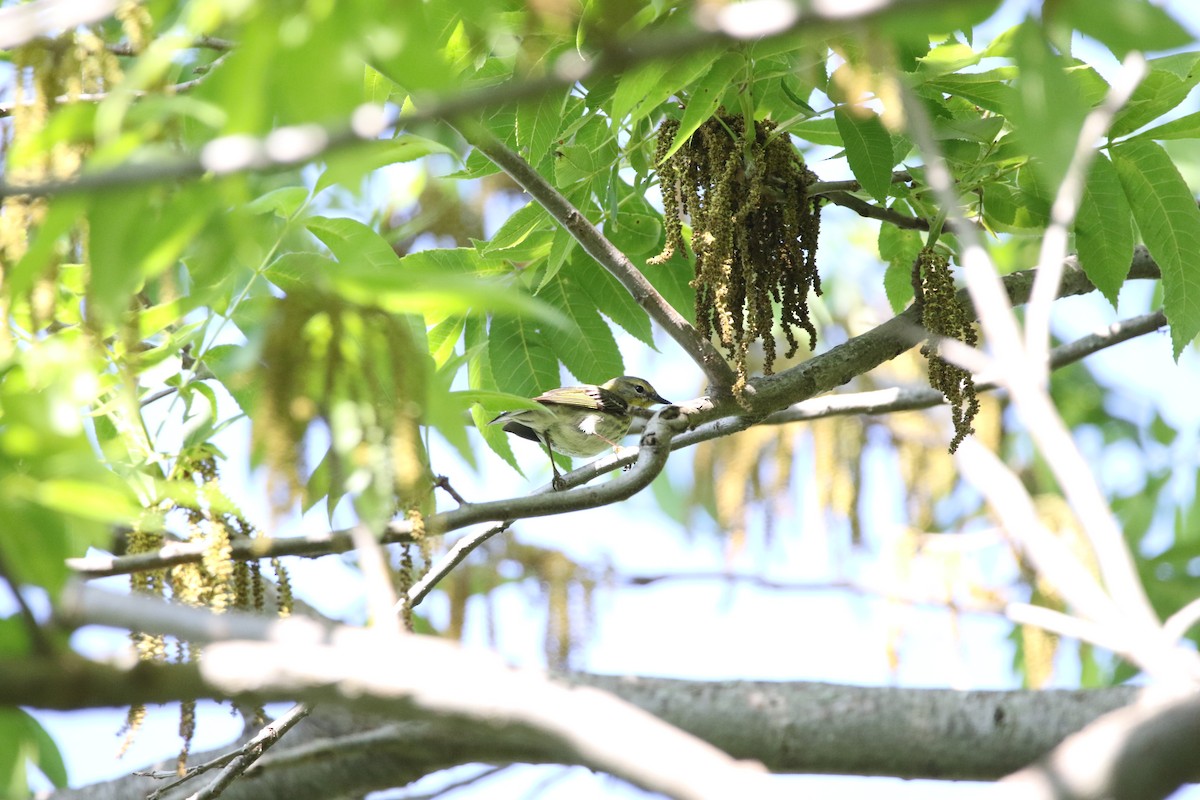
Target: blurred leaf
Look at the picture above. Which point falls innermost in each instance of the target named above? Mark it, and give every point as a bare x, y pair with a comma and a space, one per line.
1046, 109
348, 166
1122, 25
22, 740
135, 234
283, 202
1167, 216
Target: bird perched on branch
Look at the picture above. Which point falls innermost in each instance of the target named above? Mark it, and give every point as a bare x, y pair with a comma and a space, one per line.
581, 421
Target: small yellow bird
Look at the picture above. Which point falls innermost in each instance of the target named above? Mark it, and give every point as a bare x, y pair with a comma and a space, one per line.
581, 421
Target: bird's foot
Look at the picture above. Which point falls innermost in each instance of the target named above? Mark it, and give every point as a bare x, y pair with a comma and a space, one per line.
558, 484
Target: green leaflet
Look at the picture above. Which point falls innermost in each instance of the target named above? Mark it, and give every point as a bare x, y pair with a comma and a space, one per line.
705, 97
1169, 221
591, 353
522, 361
1104, 235
868, 149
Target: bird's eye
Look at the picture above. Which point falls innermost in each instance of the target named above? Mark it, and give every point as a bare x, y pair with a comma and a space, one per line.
639, 389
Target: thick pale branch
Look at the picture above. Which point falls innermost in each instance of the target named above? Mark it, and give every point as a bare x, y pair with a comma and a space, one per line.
1144, 751
791, 727
425, 678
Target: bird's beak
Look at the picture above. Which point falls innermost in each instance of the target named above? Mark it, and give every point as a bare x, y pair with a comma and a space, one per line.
658, 398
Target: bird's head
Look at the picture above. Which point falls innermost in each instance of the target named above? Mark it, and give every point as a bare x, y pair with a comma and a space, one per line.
635, 391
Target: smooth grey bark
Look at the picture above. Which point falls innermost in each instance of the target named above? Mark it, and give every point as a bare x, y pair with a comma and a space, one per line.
789, 727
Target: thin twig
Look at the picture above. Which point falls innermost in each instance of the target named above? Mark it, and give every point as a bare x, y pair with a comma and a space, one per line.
828, 187
872, 211
443, 482
38, 640
251, 751
447, 562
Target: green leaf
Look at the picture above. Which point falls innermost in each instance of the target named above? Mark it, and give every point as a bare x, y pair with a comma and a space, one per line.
1169, 221
591, 353
818, 131
137, 234
947, 58
868, 149
479, 378
353, 243
1122, 25
233, 365
1186, 127
705, 96
348, 167
538, 122
23, 739
574, 163
111, 503
1170, 81
637, 234
1104, 235
492, 401
522, 361
516, 228
1046, 110
990, 90
673, 282
635, 87
609, 296
283, 202
436, 282
899, 248
640, 91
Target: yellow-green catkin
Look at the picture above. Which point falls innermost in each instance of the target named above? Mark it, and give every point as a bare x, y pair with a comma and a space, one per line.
755, 231
945, 318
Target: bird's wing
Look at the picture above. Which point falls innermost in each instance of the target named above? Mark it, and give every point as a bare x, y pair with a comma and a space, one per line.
591, 397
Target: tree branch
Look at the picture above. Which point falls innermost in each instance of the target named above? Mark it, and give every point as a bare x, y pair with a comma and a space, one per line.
837, 366
425, 678
872, 211
608, 255
1144, 751
791, 727
859, 354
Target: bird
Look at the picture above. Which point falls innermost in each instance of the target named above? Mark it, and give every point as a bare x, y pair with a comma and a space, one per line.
581, 421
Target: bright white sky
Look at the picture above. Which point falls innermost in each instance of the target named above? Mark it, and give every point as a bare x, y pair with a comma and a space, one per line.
715, 631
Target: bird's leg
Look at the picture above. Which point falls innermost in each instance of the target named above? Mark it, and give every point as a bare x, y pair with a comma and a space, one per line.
557, 483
